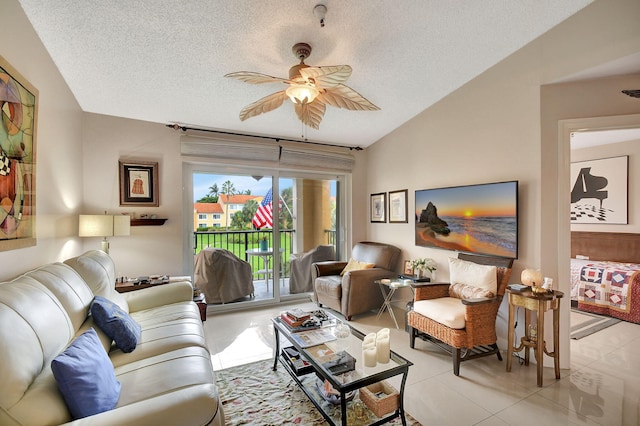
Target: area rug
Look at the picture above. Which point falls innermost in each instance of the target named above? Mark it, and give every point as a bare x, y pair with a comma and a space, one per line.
254, 394
584, 324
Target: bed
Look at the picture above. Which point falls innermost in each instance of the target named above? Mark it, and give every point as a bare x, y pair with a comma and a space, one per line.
608, 282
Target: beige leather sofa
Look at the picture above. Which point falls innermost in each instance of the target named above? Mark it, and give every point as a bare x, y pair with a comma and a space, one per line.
167, 380
355, 292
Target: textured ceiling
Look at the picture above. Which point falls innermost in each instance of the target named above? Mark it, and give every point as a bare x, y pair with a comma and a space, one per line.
164, 60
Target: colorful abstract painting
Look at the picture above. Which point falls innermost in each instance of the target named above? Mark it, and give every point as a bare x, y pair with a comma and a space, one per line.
18, 110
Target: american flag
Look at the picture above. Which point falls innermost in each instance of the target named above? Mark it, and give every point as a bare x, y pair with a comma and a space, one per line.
264, 215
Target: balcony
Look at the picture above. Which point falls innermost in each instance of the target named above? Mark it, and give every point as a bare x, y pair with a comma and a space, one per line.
239, 242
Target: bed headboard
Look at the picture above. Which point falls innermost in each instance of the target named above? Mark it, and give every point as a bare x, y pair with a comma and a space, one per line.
613, 246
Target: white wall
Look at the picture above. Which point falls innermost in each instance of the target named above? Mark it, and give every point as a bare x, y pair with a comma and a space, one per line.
490, 130
149, 249
59, 167
632, 149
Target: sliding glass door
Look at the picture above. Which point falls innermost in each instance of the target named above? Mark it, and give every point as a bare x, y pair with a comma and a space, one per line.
266, 221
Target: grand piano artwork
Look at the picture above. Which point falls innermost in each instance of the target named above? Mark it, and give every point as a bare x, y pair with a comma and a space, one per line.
588, 187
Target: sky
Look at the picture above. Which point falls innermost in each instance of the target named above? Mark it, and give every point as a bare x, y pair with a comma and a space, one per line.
203, 181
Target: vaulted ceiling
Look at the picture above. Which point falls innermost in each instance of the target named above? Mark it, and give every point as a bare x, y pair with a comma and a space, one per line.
165, 60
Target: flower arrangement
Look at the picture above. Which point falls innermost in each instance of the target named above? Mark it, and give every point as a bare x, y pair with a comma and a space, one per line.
423, 264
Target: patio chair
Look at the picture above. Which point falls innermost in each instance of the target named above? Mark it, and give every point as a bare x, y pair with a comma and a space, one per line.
301, 265
222, 276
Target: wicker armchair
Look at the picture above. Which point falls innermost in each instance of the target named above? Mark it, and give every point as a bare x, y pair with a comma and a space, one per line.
473, 333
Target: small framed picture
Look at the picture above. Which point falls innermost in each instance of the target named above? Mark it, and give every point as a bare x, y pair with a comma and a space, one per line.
139, 183
408, 269
378, 207
398, 206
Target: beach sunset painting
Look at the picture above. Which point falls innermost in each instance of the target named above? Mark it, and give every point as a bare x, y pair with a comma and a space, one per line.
480, 219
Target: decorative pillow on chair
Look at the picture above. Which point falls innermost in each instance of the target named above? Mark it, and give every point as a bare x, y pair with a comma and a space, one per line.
469, 273
85, 376
116, 323
463, 291
354, 265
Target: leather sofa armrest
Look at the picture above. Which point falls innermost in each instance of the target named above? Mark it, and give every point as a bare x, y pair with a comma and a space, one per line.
329, 267
160, 295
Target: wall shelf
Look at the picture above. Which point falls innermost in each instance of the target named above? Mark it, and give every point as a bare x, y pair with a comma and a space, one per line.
147, 222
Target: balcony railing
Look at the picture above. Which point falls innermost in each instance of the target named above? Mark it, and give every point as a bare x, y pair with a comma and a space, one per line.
238, 242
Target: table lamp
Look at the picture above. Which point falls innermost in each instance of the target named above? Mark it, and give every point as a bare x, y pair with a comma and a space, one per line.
104, 225
533, 278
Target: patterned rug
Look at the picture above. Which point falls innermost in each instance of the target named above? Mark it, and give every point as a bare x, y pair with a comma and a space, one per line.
584, 324
254, 394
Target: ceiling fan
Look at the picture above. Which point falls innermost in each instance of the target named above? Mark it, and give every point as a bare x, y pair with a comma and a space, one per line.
310, 89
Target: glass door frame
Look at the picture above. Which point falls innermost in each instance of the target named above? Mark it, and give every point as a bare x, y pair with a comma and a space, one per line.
343, 208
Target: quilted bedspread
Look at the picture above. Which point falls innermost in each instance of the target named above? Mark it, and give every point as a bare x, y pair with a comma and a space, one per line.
610, 288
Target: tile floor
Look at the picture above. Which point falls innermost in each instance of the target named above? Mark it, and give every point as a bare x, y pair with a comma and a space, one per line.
601, 388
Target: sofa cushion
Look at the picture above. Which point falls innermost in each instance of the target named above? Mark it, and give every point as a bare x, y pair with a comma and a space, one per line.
85, 376
99, 272
448, 311
116, 323
470, 273
354, 265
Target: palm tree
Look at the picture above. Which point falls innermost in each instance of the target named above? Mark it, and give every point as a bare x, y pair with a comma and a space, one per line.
214, 192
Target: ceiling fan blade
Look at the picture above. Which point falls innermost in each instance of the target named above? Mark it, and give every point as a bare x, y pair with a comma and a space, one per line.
255, 77
327, 77
311, 114
266, 104
342, 96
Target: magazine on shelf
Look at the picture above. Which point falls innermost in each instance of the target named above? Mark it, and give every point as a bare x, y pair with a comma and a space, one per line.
319, 351
315, 337
296, 361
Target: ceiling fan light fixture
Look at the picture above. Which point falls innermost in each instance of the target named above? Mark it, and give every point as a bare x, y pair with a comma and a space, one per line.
302, 93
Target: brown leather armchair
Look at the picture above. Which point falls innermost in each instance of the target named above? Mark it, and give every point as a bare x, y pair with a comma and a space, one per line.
355, 292
459, 317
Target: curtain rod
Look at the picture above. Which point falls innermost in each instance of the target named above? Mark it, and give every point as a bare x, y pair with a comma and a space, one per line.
176, 126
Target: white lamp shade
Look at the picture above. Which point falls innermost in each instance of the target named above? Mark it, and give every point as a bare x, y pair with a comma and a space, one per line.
95, 225
301, 93
121, 225
531, 277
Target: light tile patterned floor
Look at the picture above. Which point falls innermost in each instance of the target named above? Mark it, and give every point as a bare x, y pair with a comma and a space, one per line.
602, 387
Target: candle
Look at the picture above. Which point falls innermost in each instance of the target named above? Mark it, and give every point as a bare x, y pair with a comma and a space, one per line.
369, 355
383, 346
369, 338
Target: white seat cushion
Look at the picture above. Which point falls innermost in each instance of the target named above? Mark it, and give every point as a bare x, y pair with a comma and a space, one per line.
447, 311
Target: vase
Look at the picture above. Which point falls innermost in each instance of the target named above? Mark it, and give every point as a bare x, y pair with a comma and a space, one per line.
264, 245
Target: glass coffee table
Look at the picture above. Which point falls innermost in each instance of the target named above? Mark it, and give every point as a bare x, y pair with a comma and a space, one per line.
362, 395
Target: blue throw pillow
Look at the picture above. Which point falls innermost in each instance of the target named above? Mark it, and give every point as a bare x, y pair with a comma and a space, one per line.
85, 376
116, 323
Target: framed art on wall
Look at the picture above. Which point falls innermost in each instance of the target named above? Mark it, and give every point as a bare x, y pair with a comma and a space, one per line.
599, 191
19, 106
378, 207
139, 183
398, 206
